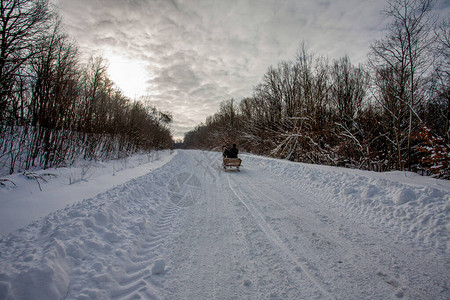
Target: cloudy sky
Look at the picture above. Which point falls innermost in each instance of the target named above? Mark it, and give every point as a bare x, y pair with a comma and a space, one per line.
187, 56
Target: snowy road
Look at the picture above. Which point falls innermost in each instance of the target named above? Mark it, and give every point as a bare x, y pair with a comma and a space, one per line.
275, 230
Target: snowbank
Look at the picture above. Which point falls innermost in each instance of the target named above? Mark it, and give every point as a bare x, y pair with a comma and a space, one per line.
25, 202
417, 207
89, 241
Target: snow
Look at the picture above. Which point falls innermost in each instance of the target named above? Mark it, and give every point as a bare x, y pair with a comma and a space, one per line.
180, 227
24, 202
158, 267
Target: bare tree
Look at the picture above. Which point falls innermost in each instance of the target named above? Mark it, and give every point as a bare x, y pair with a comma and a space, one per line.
405, 51
54, 92
96, 79
22, 23
442, 75
347, 90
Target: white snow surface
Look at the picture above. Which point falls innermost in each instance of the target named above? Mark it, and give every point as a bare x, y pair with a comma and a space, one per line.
180, 227
24, 199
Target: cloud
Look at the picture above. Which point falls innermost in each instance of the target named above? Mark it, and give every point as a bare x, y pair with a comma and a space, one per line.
198, 53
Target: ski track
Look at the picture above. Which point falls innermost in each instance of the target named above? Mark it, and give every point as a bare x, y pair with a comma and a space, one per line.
275, 239
256, 234
341, 253
367, 251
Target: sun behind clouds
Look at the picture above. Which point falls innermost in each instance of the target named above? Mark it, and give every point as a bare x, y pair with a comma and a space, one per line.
128, 74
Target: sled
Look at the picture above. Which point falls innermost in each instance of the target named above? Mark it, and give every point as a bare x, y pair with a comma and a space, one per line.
231, 163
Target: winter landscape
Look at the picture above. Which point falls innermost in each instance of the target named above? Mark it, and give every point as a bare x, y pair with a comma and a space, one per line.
182, 228
117, 175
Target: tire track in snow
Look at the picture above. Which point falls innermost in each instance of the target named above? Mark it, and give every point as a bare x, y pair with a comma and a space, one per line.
326, 238
276, 241
137, 281
383, 257
362, 259
212, 255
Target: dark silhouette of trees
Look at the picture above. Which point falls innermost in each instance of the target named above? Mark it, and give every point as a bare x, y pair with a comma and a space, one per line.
400, 62
54, 111
22, 25
392, 114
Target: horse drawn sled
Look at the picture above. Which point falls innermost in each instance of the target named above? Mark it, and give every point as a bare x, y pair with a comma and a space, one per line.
230, 159
231, 163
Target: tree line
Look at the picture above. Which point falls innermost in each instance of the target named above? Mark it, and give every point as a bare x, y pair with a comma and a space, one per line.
53, 109
391, 113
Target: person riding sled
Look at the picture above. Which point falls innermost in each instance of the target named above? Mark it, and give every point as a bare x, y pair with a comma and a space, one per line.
230, 153
233, 152
230, 157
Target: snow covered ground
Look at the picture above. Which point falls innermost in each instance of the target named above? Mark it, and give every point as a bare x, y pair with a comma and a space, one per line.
185, 229
26, 198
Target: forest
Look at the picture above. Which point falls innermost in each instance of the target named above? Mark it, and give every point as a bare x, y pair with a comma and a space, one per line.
55, 109
390, 113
